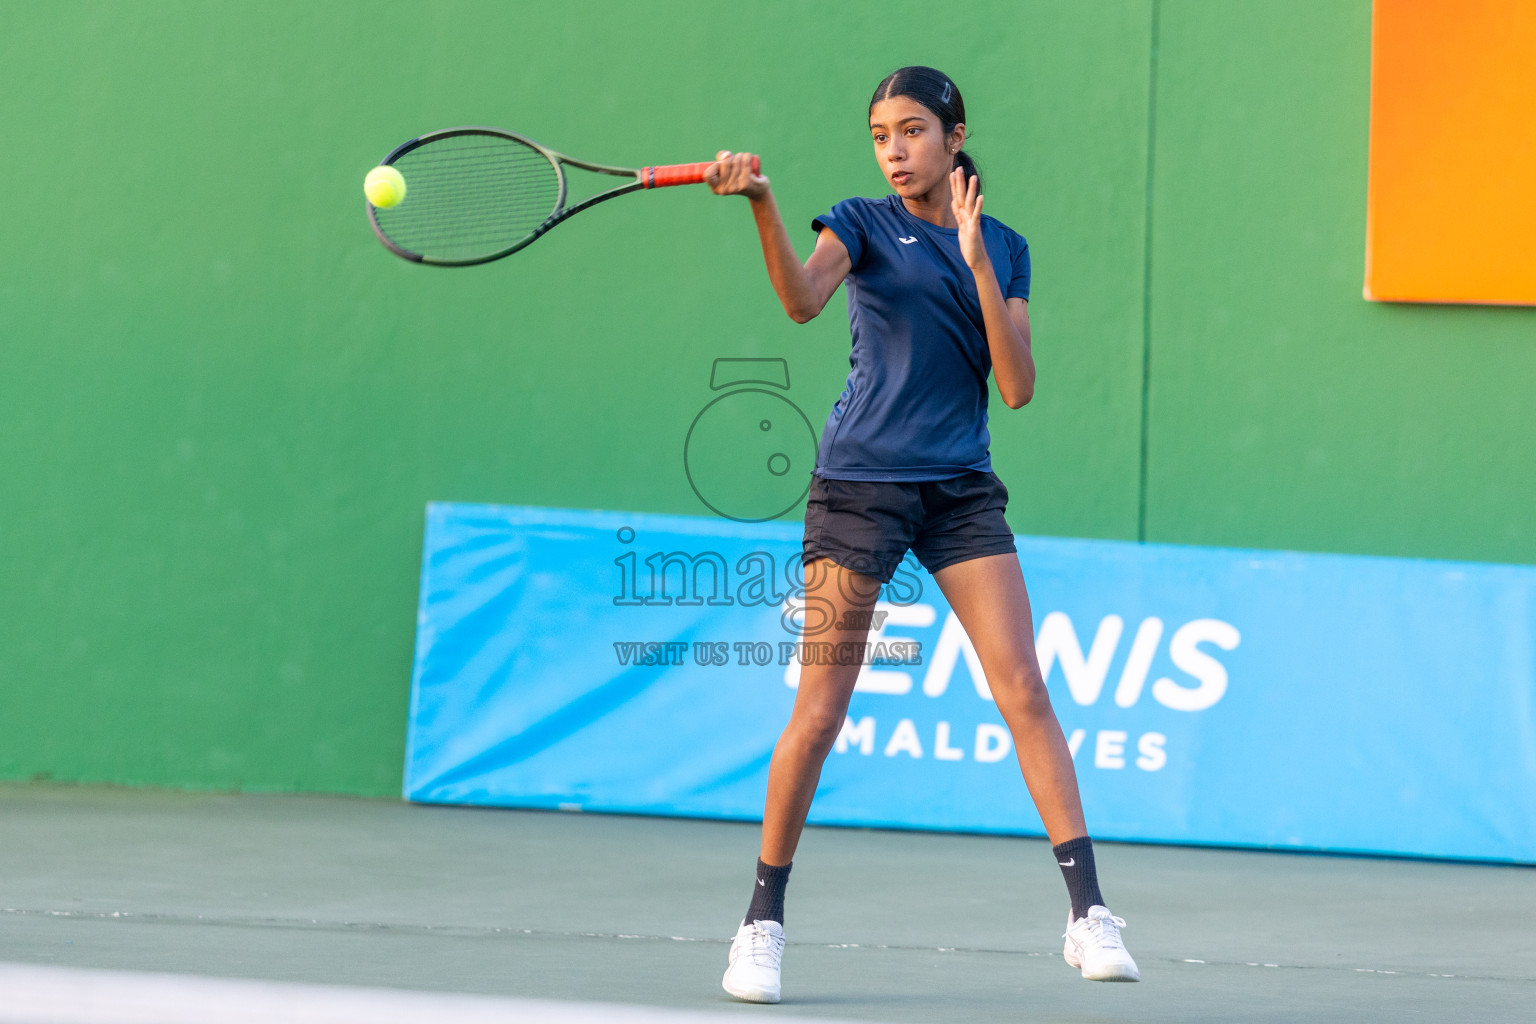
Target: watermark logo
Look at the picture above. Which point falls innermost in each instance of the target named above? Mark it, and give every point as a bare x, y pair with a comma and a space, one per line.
799, 591
749, 452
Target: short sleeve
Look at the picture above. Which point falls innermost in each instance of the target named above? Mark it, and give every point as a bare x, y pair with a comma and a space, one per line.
847, 222
1018, 284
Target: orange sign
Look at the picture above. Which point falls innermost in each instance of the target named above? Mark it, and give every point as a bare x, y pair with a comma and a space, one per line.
1451, 207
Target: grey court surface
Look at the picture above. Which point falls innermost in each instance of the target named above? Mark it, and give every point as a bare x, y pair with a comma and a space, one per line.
376, 895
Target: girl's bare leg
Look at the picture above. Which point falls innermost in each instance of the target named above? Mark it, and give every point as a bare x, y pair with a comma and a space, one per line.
988, 596
821, 703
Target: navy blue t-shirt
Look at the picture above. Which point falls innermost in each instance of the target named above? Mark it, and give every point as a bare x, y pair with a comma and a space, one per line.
915, 405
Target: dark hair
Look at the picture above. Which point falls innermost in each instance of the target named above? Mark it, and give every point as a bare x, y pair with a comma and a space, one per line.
933, 89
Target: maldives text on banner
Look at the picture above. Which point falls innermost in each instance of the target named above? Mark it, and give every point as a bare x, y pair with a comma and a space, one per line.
645, 663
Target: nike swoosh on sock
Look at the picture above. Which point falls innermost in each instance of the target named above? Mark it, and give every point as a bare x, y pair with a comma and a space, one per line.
1063, 863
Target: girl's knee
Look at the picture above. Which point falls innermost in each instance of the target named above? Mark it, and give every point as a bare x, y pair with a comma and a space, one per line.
1024, 691
817, 727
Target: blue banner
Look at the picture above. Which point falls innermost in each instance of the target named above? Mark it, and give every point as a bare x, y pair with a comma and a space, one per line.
618, 661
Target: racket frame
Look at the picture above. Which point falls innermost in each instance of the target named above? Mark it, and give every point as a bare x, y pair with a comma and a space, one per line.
561, 211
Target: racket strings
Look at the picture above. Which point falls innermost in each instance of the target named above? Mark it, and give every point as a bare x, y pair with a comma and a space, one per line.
469, 197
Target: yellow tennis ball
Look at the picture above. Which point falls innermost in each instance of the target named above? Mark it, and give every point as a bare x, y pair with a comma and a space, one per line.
385, 187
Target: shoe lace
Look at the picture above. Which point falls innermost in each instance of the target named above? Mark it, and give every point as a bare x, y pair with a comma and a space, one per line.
764, 948
1103, 931
1106, 930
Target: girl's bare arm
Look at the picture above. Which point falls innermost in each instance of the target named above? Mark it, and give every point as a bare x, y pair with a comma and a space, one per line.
803, 289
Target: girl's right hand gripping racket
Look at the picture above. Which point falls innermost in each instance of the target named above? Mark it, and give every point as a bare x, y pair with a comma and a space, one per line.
473, 195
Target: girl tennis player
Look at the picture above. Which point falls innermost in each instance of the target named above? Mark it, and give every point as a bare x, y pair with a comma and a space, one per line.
937, 297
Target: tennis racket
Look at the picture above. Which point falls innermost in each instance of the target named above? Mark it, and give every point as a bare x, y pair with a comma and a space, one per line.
473, 195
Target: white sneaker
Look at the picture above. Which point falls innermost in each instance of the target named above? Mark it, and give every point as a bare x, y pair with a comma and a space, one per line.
753, 973
1093, 944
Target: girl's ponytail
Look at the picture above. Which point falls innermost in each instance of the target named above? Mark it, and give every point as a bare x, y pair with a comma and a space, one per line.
963, 159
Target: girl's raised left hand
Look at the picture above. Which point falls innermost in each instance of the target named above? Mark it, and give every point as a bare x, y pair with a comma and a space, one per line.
965, 203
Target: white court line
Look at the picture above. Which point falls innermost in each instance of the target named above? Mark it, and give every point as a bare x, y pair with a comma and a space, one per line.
31, 994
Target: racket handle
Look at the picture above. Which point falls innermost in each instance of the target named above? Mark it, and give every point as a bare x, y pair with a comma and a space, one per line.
681, 174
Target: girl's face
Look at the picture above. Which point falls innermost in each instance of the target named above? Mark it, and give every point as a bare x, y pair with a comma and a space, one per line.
913, 152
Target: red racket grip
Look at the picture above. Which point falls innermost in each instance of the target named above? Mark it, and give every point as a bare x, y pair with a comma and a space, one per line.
681, 174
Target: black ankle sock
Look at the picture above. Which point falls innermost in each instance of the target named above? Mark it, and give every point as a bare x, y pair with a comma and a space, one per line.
1076, 860
768, 893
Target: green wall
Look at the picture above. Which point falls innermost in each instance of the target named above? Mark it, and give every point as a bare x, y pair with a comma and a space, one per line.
1287, 412
223, 405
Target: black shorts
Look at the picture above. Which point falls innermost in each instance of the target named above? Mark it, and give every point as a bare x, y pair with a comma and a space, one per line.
867, 526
